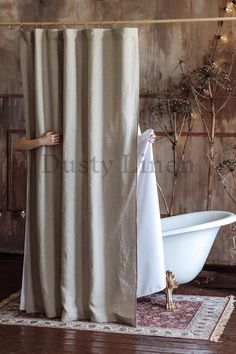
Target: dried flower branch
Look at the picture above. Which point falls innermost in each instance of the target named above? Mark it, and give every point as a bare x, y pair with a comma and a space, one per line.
199, 90
226, 172
205, 84
171, 114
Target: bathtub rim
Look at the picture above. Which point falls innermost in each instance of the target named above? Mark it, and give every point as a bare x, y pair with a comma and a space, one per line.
227, 218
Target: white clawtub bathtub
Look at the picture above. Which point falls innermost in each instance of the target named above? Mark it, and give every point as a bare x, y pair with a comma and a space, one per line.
188, 239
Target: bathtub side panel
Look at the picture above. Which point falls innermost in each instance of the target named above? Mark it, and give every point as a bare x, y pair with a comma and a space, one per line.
186, 254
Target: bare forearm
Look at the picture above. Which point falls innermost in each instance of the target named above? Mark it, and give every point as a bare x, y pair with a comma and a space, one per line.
47, 139
27, 144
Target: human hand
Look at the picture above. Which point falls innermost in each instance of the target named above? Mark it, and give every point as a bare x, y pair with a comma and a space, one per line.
152, 138
50, 138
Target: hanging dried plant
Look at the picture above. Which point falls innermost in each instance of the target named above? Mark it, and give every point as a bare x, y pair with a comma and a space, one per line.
171, 113
205, 84
226, 172
200, 78
172, 105
226, 167
195, 96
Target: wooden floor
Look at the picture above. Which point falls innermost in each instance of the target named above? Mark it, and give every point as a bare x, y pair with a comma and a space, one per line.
24, 340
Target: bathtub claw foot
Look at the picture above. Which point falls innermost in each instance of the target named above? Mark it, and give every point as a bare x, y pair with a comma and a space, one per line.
171, 284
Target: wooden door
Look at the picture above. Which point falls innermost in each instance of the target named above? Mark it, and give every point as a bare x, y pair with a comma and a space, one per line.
12, 176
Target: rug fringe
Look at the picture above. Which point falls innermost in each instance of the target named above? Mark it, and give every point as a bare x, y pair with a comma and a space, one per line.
218, 331
10, 298
215, 336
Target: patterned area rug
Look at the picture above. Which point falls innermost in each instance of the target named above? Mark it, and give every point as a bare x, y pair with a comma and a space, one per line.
196, 317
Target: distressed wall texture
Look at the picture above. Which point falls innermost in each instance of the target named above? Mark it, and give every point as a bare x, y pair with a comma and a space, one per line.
161, 49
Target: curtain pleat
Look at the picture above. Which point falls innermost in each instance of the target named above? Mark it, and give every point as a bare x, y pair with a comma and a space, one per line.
80, 246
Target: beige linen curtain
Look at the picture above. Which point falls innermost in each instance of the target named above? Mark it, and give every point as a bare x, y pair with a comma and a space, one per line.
80, 247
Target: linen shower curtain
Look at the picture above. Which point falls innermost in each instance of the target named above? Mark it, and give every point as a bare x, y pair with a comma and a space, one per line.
80, 246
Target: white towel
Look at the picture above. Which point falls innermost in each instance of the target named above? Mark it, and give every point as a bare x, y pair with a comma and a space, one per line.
150, 253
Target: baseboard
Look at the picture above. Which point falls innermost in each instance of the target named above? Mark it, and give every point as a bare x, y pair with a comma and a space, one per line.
13, 256
220, 268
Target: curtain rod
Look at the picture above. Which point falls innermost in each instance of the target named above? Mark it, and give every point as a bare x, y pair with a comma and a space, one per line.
121, 22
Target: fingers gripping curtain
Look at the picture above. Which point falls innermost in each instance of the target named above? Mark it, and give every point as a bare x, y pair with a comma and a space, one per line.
80, 247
